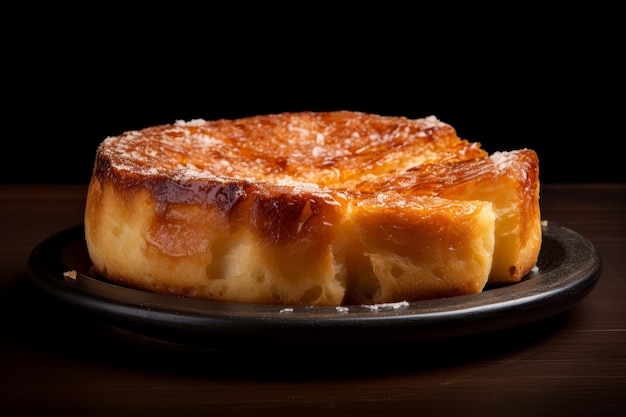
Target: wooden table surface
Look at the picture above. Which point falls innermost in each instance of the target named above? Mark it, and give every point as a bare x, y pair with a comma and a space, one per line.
54, 359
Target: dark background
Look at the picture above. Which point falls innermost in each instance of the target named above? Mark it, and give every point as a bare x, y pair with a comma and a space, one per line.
550, 80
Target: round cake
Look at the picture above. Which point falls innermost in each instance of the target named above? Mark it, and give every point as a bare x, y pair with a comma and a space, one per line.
311, 208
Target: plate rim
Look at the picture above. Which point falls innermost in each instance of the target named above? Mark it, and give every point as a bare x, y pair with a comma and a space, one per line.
217, 324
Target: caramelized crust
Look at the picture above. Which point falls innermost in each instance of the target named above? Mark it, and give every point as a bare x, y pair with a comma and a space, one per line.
310, 209
327, 149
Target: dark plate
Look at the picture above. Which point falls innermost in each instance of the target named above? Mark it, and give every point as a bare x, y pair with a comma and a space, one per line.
568, 269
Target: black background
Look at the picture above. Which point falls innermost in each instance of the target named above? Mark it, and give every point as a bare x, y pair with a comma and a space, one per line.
543, 79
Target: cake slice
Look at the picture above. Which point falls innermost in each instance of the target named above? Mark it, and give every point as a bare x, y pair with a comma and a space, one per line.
509, 180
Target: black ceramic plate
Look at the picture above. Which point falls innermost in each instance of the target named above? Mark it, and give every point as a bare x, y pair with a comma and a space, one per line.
568, 268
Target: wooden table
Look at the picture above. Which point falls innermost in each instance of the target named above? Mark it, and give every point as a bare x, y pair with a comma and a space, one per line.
55, 360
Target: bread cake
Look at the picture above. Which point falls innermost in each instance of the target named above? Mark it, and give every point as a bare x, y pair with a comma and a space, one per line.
311, 208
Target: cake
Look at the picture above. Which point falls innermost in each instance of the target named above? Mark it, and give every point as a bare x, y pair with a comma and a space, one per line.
311, 208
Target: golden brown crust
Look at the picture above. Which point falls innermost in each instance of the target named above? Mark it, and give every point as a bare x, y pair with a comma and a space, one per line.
310, 209
328, 148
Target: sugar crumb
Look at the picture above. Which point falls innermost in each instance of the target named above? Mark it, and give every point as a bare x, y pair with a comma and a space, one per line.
387, 306
70, 274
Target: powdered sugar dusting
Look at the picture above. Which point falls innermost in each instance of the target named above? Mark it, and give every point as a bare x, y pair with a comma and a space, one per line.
193, 122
